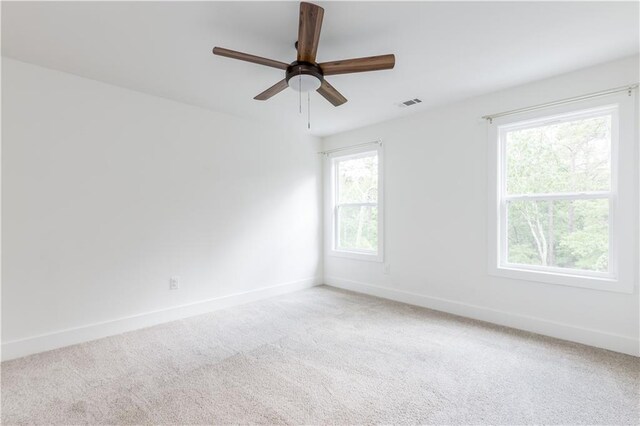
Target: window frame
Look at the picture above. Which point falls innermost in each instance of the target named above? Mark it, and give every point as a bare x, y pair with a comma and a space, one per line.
333, 160
622, 196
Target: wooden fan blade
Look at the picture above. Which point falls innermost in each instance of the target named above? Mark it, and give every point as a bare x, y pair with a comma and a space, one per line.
220, 51
346, 66
309, 31
273, 90
331, 94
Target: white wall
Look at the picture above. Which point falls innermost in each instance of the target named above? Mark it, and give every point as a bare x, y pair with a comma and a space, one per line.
436, 221
107, 193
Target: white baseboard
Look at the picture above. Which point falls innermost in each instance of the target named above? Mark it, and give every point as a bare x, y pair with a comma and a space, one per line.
44, 342
597, 338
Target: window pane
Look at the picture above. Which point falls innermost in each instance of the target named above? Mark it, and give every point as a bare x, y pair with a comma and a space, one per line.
568, 156
560, 233
358, 180
358, 228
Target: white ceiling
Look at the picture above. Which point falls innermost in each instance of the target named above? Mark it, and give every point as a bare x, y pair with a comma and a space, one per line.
444, 51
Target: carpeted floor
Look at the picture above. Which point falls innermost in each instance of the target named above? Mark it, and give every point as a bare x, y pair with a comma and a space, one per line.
323, 356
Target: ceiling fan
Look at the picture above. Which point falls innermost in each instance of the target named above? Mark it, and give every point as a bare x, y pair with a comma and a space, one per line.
305, 74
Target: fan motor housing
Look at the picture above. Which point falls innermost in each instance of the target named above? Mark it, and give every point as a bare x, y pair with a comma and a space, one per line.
304, 76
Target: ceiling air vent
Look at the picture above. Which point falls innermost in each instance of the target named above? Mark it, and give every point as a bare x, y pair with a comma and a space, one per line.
409, 103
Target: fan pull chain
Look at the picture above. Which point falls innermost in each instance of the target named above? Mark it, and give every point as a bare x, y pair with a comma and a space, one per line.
308, 110
299, 89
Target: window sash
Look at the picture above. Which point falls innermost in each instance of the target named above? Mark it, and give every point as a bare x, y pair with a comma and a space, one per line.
504, 235
573, 115
504, 198
356, 205
336, 237
336, 166
334, 249
587, 195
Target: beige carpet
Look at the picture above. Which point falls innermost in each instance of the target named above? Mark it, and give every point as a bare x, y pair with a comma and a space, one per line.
323, 356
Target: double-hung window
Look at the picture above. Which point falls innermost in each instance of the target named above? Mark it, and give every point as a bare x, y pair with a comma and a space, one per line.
356, 181
563, 210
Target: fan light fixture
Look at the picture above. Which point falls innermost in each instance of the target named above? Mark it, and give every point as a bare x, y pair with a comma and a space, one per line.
304, 83
303, 76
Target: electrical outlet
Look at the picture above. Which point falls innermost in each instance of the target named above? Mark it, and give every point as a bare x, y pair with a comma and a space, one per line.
387, 269
174, 283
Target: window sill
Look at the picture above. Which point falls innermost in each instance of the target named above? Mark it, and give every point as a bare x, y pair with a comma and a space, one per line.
591, 282
356, 255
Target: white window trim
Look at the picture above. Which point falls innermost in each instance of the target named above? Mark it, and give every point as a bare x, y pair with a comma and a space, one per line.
623, 199
332, 250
